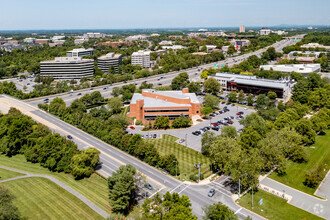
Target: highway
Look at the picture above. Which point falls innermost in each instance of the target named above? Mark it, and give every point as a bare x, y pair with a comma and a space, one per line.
156, 80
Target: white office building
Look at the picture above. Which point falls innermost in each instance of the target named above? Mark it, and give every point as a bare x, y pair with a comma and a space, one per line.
94, 35
209, 48
141, 58
264, 31
111, 59
29, 40
67, 68
80, 52
242, 28
299, 68
55, 38
174, 47
137, 37
166, 42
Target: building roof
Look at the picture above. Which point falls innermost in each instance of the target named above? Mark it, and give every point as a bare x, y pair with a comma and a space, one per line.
80, 50
141, 52
67, 60
174, 94
110, 55
281, 84
232, 75
300, 68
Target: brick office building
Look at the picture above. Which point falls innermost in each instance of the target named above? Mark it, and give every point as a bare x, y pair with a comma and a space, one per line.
149, 104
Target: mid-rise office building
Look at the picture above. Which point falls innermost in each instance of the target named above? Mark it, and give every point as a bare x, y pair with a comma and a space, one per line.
315, 45
240, 42
111, 59
29, 40
141, 58
80, 52
94, 35
264, 31
42, 41
299, 68
67, 68
149, 104
242, 28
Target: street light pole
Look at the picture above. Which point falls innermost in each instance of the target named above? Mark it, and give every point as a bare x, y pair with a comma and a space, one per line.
239, 188
186, 140
199, 172
176, 168
252, 197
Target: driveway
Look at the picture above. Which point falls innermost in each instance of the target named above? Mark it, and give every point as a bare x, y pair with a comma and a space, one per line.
193, 141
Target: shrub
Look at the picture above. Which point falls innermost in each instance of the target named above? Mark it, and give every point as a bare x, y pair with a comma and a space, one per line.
138, 122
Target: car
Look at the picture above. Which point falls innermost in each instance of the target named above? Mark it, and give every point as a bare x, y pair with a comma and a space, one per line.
228, 103
238, 113
155, 135
160, 84
104, 88
126, 132
221, 111
28, 84
246, 108
79, 93
233, 104
125, 81
92, 89
211, 193
232, 117
242, 113
226, 118
181, 141
147, 136
132, 128
158, 79
241, 116
212, 114
216, 128
69, 137
196, 133
207, 128
223, 102
46, 101
148, 186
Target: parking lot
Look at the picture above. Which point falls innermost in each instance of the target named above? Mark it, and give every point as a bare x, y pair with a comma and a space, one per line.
20, 83
194, 141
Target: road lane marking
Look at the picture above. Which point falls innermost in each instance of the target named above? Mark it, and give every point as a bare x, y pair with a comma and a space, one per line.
176, 187
184, 189
157, 192
238, 210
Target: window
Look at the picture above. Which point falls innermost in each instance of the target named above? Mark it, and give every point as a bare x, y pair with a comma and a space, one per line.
197, 112
197, 106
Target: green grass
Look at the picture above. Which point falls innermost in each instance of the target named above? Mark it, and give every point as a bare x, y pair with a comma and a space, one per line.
40, 198
274, 207
295, 172
7, 174
93, 188
186, 156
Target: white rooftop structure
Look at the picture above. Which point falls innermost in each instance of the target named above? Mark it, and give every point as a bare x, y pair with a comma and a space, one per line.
141, 58
137, 37
299, 68
174, 47
79, 52
61, 37
166, 42
314, 45
306, 53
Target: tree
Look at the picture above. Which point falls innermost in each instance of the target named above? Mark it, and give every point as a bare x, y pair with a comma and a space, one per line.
262, 100
249, 138
115, 91
172, 206
218, 211
212, 85
207, 139
272, 53
194, 87
256, 122
272, 95
115, 104
229, 131
250, 100
211, 101
254, 61
162, 122
206, 111
231, 50
122, 188
84, 163
204, 74
241, 96
305, 128
232, 96
181, 122
7, 209
180, 81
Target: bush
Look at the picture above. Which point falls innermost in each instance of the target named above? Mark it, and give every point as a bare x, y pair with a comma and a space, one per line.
138, 122
206, 111
313, 178
193, 177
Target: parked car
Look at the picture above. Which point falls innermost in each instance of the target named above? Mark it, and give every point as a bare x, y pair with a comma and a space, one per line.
69, 137
226, 118
216, 128
232, 117
79, 93
238, 113
223, 102
233, 104
242, 113
196, 133
104, 88
148, 186
228, 103
155, 135
132, 128
181, 141
211, 192
221, 111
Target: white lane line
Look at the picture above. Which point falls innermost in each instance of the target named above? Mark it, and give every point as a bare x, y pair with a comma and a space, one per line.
176, 187
108, 167
157, 192
238, 210
184, 189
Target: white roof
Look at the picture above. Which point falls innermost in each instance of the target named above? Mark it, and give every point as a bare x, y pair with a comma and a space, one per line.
299, 68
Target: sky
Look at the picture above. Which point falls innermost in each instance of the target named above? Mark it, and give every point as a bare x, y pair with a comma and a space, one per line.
132, 14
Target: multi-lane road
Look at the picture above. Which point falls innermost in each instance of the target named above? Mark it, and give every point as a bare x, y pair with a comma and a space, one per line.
157, 80
111, 158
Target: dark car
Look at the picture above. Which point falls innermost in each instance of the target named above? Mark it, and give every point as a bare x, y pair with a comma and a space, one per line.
69, 137
160, 84
221, 111
196, 132
92, 88
216, 128
79, 93
104, 88
148, 186
228, 103
233, 104
232, 117
226, 118
155, 135
211, 193
241, 113
223, 102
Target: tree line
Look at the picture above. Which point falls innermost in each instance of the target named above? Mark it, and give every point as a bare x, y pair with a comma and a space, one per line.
21, 135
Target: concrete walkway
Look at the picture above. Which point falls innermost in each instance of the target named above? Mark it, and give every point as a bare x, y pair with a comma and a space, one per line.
309, 203
64, 186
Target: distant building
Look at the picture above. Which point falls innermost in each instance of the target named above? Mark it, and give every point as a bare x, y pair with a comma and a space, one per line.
209, 48
42, 41
240, 42
207, 34
264, 31
293, 54
111, 59
13, 42
55, 38
80, 52
149, 104
29, 40
199, 53
175, 37
80, 41
299, 68
252, 84
242, 28
57, 43
136, 37
141, 58
67, 68
94, 35
315, 45
166, 42
9, 47
174, 47
154, 35
279, 32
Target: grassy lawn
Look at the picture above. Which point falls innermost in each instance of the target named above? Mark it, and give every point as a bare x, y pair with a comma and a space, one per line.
93, 188
40, 198
186, 156
274, 207
296, 172
7, 174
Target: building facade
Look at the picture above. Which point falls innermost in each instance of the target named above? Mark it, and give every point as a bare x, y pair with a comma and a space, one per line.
80, 52
67, 68
141, 58
110, 59
242, 28
149, 104
299, 68
264, 31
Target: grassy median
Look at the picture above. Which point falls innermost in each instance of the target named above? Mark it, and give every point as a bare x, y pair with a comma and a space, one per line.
40, 198
295, 172
93, 188
186, 157
274, 207
7, 174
